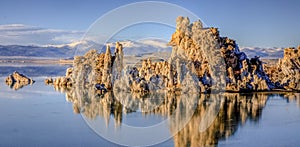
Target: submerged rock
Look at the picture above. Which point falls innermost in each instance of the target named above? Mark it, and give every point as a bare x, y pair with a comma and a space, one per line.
17, 80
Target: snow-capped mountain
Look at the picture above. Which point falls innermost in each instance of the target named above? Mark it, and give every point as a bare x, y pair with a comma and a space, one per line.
143, 46
81, 47
263, 52
130, 47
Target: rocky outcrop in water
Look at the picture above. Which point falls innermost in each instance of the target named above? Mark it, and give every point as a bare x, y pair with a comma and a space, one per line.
204, 61
17, 80
187, 70
243, 74
201, 61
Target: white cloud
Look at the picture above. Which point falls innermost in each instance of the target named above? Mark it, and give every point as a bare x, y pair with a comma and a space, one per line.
21, 34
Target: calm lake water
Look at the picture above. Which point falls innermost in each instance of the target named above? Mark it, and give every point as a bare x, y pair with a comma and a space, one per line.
40, 115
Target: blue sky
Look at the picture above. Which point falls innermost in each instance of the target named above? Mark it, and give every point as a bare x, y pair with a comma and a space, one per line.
268, 23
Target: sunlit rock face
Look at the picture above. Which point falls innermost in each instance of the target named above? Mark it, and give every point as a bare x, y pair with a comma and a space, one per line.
93, 69
187, 70
212, 57
193, 46
17, 80
286, 73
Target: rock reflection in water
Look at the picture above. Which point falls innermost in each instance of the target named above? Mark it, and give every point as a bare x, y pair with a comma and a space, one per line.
292, 97
234, 111
228, 112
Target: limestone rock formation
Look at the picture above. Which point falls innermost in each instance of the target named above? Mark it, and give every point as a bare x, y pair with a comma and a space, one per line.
92, 70
17, 80
187, 70
212, 56
205, 60
201, 61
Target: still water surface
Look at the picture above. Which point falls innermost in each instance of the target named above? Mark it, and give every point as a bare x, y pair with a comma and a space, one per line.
39, 115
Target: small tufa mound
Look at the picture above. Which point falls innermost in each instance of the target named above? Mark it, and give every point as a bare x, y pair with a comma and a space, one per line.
17, 81
61, 83
49, 81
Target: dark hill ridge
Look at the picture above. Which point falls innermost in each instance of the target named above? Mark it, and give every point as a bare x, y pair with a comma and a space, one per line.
36, 51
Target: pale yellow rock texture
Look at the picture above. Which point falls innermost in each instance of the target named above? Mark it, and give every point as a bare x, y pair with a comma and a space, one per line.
286, 74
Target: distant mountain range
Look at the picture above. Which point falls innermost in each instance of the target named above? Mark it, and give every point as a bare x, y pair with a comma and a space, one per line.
130, 48
34, 51
270, 53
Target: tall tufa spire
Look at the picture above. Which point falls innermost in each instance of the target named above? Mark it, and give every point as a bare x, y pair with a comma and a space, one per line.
107, 50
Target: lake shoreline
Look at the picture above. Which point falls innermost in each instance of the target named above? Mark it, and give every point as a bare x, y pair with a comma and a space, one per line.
34, 60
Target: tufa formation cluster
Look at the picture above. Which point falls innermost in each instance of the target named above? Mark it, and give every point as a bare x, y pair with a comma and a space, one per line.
93, 69
201, 61
286, 74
